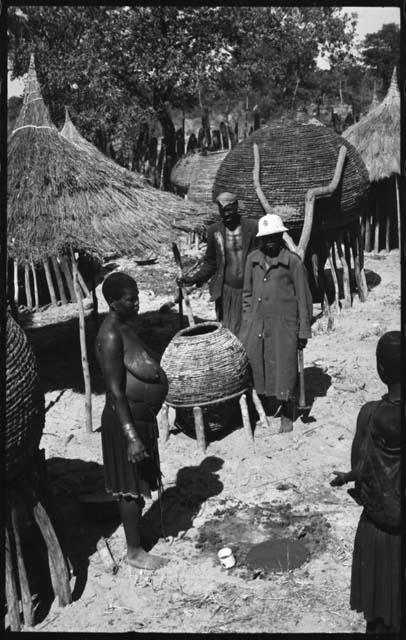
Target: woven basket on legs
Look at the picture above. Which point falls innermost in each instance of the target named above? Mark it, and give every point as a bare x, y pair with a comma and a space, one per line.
25, 414
205, 364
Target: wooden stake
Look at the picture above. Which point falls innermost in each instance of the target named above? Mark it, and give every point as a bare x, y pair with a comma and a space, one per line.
246, 418
367, 243
68, 278
83, 285
34, 277
13, 607
57, 565
357, 268
376, 239
164, 421
59, 281
15, 281
347, 253
26, 599
260, 409
49, 282
387, 232
346, 274
199, 428
398, 215
83, 349
27, 286
95, 311
335, 280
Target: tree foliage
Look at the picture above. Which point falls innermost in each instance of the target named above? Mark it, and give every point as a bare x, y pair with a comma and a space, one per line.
381, 53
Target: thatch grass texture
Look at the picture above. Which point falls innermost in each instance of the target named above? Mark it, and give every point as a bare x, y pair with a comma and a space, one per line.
183, 169
61, 197
377, 136
294, 157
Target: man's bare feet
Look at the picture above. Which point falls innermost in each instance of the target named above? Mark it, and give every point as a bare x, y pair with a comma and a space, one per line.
286, 425
140, 559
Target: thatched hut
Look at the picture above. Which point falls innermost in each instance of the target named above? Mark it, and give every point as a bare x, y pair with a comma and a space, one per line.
62, 197
305, 166
377, 139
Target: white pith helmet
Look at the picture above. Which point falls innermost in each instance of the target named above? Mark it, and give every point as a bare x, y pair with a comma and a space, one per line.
269, 224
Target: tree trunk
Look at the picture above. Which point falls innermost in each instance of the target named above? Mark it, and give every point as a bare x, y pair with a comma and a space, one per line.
34, 277
59, 281
27, 286
83, 350
169, 135
49, 282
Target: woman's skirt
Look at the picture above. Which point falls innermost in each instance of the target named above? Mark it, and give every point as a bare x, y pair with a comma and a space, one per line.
376, 574
124, 478
229, 308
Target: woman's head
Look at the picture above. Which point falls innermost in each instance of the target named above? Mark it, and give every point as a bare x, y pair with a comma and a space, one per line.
388, 357
121, 293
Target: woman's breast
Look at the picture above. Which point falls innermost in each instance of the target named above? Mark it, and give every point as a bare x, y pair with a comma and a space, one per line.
152, 394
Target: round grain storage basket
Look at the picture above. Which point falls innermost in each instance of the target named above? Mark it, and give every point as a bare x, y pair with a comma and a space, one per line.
205, 364
25, 415
295, 157
182, 171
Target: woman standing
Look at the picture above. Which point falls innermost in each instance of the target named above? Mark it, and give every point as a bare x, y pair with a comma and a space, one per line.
276, 315
136, 387
375, 468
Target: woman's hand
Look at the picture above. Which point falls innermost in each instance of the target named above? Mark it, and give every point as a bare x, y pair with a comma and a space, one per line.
136, 451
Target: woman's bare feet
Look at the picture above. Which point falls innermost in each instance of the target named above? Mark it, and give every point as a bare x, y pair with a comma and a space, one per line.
140, 559
286, 425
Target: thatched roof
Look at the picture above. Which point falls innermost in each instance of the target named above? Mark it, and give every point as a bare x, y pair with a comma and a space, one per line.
183, 169
70, 132
60, 197
377, 136
294, 157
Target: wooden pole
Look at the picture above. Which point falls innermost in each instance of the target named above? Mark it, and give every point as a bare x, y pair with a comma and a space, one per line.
11, 589
164, 421
83, 285
357, 267
49, 282
26, 599
68, 278
387, 232
367, 243
260, 409
346, 274
59, 281
15, 281
398, 215
57, 565
246, 419
376, 239
83, 350
95, 311
34, 277
335, 280
199, 428
27, 285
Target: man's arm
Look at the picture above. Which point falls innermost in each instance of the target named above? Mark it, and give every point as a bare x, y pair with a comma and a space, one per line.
209, 265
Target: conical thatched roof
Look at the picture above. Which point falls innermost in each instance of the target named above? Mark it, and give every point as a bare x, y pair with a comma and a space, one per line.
294, 157
59, 196
377, 136
70, 132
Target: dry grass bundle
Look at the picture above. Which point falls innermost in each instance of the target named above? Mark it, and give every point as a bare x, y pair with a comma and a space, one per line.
59, 196
70, 132
294, 157
377, 136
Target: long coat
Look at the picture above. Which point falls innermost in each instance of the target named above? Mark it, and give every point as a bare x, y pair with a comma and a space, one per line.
214, 261
276, 311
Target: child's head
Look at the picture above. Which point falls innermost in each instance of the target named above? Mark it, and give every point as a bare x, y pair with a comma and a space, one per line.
388, 357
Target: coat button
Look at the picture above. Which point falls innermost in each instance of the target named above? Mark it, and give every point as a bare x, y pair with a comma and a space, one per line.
264, 279
260, 335
259, 299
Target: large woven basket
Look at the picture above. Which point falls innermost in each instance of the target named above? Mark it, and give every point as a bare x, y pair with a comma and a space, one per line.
25, 415
205, 364
183, 169
295, 157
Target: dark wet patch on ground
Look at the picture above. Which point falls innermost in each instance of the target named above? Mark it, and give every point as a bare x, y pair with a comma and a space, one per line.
265, 538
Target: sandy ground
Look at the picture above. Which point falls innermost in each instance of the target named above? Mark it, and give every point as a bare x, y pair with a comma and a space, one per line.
193, 593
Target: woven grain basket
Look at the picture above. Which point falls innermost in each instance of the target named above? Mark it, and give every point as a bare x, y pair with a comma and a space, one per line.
25, 415
205, 364
183, 169
295, 157
203, 176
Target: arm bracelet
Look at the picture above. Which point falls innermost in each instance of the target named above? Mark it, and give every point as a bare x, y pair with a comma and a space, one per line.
129, 432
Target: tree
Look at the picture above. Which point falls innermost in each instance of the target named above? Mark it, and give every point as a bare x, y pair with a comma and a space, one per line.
381, 53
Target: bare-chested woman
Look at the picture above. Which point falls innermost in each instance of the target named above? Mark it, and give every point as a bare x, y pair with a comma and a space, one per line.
136, 387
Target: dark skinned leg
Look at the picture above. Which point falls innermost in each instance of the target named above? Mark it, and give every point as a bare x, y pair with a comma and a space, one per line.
131, 512
288, 412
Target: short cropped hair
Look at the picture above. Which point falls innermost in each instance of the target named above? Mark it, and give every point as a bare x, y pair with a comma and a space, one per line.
388, 356
116, 284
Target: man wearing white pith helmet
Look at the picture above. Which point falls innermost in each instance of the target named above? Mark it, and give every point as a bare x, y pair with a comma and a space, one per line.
276, 316
228, 244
